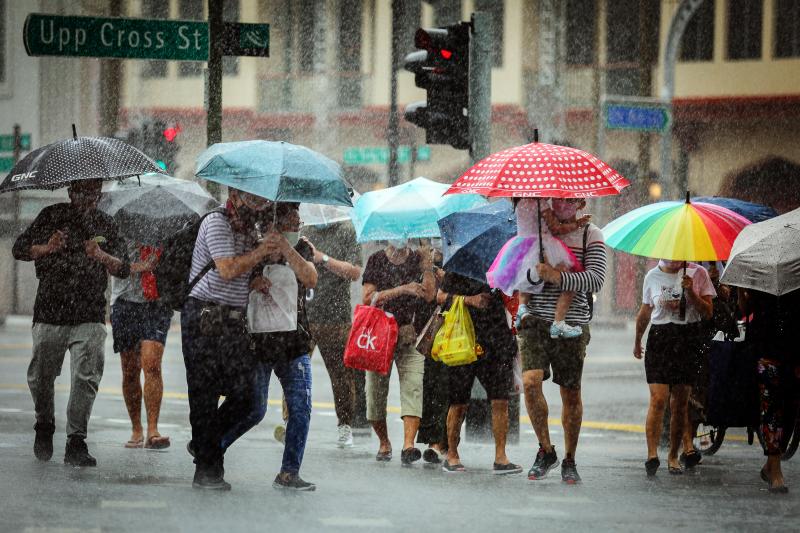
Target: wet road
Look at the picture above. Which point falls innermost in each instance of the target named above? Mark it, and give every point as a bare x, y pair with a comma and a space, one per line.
136, 490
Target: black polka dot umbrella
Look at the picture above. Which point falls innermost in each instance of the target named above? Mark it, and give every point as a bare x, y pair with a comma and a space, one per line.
79, 158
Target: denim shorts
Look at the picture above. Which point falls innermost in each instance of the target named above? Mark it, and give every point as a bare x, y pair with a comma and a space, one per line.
133, 322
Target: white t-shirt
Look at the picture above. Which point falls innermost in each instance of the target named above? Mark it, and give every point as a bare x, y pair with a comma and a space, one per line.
662, 291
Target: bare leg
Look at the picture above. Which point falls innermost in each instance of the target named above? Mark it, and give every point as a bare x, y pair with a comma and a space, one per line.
659, 394
571, 418
774, 472
383, 435
132, 390
410, 428
152, 353
688, 434
562, 305
536, 405
455, 417
678, 405
500, 430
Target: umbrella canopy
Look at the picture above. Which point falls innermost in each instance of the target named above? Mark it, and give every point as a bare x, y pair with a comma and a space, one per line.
766, 256
540, 170
155, 206
321, 215
409, 210
80, 158
679, 231
471, 239
752, 212
278, 171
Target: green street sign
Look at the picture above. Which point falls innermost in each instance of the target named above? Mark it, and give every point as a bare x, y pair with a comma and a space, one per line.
246, 39
378, 155
7, 142
6, 164
52, 35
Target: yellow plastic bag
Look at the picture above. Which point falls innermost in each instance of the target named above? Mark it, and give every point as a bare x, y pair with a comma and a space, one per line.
455, 344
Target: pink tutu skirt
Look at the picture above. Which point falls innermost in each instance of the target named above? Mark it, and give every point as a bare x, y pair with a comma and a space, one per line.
517, 259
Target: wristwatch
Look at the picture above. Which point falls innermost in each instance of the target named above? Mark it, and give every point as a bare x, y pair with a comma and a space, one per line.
325, 259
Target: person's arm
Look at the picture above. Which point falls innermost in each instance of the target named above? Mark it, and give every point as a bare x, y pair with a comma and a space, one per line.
117, 263
24, 248
557, 227
703, 303
230, 268
428, 274
304, 270
115, 266
148, 265
341, 268
409, 289
590, 280
479, 301
642, 321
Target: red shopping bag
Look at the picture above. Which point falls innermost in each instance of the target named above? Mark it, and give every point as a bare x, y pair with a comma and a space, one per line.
148, 279
372, 340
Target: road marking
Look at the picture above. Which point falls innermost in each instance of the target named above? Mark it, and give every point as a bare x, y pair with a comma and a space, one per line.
537, 513
118, 421
344, 521
37, 529
127, 504
9, 410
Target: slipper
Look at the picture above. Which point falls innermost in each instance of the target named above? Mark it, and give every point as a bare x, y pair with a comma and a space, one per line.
432, 456
764, 476
691, 459
384, 457
157, 442
132, 444
651, 466
783, 489
452, 469
675, 470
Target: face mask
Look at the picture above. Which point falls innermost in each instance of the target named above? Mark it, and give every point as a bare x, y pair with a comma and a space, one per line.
565, 210
436, 243
292, 236
399, 244
670, 265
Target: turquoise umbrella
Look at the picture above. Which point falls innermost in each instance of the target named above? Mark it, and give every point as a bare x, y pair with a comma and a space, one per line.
407, 211
277, 171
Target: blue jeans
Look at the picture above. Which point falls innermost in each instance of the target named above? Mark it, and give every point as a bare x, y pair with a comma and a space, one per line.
295, 378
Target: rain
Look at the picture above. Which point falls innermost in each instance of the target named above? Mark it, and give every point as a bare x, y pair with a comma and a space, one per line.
350, 265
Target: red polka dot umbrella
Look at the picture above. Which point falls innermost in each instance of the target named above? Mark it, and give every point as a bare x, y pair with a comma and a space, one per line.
540, 170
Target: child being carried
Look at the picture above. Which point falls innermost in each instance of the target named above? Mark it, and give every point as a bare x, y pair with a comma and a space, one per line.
514, 268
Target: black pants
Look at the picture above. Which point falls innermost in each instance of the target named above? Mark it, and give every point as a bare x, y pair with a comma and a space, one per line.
435, 403
215, 366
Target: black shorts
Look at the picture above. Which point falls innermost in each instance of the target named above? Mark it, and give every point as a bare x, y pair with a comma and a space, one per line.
496, 374
671, 356
133, 322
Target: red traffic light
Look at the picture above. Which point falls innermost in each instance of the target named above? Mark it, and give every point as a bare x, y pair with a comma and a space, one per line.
171, 133
447, 54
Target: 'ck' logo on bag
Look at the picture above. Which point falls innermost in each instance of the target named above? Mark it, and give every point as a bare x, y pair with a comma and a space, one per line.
366, 341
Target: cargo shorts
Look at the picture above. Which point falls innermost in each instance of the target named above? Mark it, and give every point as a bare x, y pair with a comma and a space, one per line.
564, 356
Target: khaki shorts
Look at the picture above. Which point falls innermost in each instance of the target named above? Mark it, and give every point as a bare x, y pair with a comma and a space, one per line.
564, 356
411, 369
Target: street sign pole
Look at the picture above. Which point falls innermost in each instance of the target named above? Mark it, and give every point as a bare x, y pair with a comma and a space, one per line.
480, 87
393, 132
214, 110
16, 204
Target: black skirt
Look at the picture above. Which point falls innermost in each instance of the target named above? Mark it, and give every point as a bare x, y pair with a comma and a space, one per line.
672, 353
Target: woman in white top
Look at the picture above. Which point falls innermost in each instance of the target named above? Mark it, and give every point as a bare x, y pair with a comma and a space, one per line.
672, 347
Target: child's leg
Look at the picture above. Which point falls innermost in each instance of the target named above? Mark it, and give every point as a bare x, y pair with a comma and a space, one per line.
524, 298
562, 305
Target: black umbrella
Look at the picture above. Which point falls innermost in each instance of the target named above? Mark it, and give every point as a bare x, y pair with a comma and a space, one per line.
80, 158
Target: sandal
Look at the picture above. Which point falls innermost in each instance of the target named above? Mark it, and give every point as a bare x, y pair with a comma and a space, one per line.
133, 444
384, 457
764, 476
691, 459
783, 489
157, 442
452, 469
675, 470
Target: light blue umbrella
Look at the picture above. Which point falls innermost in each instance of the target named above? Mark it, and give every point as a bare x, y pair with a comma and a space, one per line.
407, 211
278, 171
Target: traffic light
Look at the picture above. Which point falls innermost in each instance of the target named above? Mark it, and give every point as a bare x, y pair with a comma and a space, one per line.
158, 141
441, 67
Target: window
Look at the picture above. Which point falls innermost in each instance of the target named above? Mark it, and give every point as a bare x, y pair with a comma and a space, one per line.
446, 12
581, 32
495, 9
410, 15
745, 19
349, 52
190, 10
698, 39
787, 28
631, 43
230, 13
155, 9
305, 36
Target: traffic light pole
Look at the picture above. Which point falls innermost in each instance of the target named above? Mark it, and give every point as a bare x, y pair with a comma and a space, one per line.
480, 87
394, 122
214, 109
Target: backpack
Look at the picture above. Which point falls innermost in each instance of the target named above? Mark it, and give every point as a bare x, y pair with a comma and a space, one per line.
175, 266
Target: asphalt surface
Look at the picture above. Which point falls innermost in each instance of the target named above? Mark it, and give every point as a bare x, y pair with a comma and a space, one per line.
140, 490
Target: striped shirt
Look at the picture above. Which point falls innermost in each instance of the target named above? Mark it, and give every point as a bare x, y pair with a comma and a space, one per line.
543, 305
217, 240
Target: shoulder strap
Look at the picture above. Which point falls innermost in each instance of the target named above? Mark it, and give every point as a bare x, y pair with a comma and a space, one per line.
585, 241
210, 265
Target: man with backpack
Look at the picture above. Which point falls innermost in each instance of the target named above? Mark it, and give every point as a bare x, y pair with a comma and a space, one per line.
216, 345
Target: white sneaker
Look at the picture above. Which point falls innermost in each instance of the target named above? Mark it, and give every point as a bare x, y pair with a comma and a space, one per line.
564, 331
345, 437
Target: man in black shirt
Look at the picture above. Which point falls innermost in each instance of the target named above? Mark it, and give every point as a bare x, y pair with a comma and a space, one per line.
74, 247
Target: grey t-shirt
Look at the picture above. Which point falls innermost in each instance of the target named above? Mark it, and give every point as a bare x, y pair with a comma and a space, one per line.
130, 288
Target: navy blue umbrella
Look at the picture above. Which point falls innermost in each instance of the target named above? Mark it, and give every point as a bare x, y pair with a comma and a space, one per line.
471, 239
752, 212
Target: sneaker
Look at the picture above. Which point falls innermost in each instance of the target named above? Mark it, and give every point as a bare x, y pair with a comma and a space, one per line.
206, 480
43, 443
569, 473
77, 453
280, 434
564, 331
292, 482
410, 455
345, 437
522, 315
432, 456
545, 461
505, 469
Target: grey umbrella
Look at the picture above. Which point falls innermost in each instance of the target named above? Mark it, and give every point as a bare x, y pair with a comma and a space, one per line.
79, 158
766, 256
152, 207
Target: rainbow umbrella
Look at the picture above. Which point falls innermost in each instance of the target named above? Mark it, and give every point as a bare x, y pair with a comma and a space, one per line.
677, 231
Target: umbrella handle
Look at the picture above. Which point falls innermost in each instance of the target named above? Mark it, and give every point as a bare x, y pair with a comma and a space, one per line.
682, 308
534, 283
